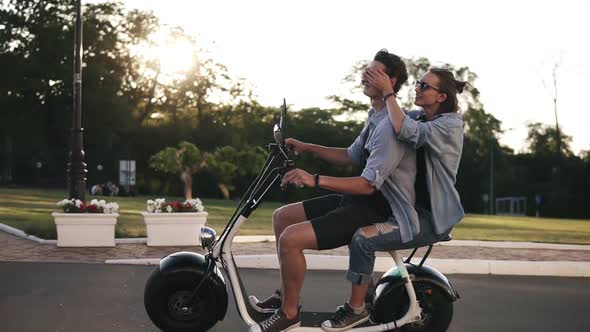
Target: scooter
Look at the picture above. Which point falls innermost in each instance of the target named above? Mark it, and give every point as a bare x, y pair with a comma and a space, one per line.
188, 291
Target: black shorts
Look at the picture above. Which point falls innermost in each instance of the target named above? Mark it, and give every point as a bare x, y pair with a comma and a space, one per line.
335, 218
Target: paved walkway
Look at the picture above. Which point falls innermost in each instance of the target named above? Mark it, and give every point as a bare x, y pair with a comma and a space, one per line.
14, 248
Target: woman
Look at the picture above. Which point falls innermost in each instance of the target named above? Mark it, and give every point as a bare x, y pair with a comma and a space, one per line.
436, 132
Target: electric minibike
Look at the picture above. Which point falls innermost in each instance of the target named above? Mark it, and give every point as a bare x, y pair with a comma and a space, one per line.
188, 292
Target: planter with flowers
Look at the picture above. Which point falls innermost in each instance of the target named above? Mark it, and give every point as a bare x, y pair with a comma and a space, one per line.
86, 225
174, 223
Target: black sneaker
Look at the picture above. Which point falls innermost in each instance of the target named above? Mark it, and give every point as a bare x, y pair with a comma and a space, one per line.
344, 318
278, 322
267, 306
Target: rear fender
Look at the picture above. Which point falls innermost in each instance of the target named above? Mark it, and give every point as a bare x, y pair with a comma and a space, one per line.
425, 273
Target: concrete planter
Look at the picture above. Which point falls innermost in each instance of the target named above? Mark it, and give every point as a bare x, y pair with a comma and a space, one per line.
85, 229
174, 229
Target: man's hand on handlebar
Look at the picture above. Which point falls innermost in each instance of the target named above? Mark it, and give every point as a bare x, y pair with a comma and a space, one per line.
297, 146
299, 178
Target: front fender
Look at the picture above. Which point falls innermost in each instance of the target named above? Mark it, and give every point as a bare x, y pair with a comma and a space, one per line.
196, 263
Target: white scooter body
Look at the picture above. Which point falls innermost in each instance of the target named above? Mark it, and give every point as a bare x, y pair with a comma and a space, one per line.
225, 253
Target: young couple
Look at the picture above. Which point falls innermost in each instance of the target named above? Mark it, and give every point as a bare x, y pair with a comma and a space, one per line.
404, 196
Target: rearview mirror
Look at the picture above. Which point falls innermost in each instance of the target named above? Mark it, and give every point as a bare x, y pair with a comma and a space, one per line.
278, 135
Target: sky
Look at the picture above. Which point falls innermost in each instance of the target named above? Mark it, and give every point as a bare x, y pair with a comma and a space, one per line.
302, 49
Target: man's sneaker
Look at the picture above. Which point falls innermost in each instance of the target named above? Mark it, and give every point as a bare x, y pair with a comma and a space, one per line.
345, 318
267, 306
278, 322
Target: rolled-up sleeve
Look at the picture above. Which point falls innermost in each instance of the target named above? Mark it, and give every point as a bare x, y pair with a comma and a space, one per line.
386, 153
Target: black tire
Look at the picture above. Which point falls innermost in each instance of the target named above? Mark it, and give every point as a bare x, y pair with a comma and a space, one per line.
165, 292
437, 309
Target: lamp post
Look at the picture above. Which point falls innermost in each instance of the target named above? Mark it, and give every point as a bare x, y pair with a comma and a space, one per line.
76, 166
492, 200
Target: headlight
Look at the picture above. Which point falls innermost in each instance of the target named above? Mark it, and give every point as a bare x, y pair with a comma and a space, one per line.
207, 237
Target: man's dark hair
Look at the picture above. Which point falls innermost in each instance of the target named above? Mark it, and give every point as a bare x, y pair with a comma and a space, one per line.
394, 67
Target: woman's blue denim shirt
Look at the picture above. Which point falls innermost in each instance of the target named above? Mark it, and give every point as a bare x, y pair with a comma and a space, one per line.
442, 139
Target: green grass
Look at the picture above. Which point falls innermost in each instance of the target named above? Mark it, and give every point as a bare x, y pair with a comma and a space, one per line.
30, 210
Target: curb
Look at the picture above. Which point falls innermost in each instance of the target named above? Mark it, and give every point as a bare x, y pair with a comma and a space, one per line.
19, 233
382, 264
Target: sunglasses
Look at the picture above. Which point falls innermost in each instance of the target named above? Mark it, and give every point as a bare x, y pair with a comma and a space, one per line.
423, 86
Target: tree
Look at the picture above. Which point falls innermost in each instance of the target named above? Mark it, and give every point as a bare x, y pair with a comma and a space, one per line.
36, 52
227, 163
184, 161
544, 141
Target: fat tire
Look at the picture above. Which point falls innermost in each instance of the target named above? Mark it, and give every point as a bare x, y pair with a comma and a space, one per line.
161, 289
437, 309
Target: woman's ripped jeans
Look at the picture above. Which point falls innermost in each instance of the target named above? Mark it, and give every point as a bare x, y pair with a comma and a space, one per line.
384, 237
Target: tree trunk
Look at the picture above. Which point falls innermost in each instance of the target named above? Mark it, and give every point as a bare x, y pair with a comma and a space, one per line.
224, 190
187, 179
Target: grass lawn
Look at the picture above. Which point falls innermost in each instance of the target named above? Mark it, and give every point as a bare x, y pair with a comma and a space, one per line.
30, 210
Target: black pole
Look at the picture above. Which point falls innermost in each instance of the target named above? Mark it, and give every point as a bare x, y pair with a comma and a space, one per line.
76, 166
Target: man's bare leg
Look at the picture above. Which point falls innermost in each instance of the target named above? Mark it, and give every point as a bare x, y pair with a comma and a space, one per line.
292, 242
286, 216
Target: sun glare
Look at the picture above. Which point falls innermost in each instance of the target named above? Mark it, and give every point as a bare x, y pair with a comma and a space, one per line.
174, 55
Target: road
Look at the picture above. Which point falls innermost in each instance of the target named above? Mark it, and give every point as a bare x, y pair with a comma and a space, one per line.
54, 297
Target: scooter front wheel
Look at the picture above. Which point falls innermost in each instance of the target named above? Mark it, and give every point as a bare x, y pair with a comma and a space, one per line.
166, 297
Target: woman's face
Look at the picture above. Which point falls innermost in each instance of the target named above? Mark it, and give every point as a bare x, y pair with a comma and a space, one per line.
428, 93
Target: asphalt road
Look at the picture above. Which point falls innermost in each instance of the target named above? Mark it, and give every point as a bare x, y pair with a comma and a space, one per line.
53, 297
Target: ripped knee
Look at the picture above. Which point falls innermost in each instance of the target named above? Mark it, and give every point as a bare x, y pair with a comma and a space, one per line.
376, 229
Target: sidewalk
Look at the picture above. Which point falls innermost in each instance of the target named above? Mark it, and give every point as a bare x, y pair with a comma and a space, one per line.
473, 258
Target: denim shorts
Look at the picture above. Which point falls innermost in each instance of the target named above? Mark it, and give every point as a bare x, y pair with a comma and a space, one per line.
335, 218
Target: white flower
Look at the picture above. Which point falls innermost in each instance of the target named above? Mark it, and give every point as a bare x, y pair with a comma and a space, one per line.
195, 203
111, 208
78, 203
155, 206
169, 209
63, 202
94, 202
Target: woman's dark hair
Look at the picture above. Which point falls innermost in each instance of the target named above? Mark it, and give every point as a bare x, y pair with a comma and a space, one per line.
394, 67
450, 86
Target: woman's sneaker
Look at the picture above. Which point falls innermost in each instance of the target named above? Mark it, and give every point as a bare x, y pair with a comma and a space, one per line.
345, 318
278, 322
267, 306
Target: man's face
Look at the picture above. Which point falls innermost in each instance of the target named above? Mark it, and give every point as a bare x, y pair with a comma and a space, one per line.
369, 90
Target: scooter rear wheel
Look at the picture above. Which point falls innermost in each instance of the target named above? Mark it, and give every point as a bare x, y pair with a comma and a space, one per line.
437, 309
165, 297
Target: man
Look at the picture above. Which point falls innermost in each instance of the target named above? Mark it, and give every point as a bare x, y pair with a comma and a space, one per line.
385, 185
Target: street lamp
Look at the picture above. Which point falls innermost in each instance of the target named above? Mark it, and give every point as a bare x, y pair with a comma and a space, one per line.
76, 166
